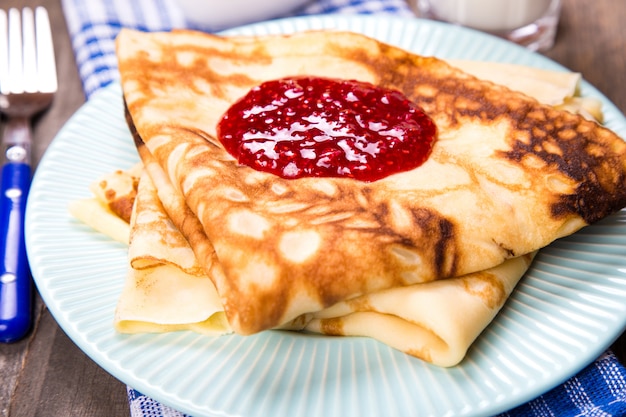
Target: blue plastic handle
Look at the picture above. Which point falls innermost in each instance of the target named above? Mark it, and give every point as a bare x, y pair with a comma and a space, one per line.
16, 293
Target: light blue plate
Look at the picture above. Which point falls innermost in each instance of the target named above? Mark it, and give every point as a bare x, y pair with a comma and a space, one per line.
567, 310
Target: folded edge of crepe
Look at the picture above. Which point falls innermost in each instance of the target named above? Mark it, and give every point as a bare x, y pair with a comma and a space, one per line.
164, 298
256, 229
437, 321
556, 88
165, 289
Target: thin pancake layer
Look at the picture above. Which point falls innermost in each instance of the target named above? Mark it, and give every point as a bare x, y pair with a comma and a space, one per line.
154, 240
507, 175
165, 289
165, 299
435, 321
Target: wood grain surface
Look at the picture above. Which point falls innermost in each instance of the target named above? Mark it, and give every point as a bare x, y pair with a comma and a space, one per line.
47, 375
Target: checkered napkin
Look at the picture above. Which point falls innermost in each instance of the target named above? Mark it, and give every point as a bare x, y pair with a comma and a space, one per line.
598, 390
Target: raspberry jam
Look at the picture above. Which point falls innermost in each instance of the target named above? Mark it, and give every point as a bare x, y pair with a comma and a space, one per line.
321, 127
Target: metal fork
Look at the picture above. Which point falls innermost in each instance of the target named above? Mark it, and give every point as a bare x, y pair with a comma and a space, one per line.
28, 82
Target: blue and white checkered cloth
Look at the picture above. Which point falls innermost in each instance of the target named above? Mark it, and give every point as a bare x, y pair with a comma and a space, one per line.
597, 391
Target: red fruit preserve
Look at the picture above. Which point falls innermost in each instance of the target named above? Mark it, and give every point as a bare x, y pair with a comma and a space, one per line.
322, 127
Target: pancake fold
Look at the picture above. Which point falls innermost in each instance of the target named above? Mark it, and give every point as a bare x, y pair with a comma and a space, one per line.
507, 176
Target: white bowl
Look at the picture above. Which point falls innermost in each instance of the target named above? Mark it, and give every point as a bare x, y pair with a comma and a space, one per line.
221, 14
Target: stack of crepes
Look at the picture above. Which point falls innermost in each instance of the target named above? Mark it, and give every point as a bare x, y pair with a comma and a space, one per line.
421, 260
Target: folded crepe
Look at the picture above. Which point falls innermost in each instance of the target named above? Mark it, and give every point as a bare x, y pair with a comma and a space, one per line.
435, 321
506, 176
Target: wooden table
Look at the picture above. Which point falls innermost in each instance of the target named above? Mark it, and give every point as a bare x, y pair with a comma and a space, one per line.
47, 375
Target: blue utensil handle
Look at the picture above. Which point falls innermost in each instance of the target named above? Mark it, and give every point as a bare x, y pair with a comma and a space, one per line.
15, 281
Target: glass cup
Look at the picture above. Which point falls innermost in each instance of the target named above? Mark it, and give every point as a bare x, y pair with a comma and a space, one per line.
531, 23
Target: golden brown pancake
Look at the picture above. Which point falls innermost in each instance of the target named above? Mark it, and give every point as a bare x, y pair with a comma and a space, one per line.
507, 175
435, 321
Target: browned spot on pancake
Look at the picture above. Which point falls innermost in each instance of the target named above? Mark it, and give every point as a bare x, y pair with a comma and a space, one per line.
332, 327
557, 144
249, 317
108, 193
360, 304
427, 226
121, 205
423, 354
486, 286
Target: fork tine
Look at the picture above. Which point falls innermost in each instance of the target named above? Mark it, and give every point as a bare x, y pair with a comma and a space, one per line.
46, 63
16, 80
4, 52
29, 51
